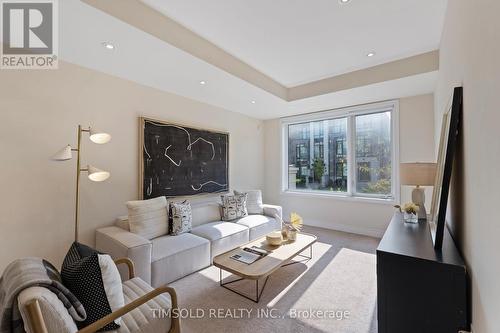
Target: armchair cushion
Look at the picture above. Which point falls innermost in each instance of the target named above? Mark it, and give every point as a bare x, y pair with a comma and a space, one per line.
148, 318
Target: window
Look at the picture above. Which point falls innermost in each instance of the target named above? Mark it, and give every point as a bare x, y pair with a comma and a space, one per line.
349, 152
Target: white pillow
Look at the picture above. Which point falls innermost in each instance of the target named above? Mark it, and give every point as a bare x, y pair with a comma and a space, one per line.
122, 222
112, 283
254, 201
148, 218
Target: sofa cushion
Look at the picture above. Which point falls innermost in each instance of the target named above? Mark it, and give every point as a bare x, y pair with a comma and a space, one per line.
259, 225
166, 246
204, 212
122, 222
254, 201
223, 236
148, 218
177, 256
142, 319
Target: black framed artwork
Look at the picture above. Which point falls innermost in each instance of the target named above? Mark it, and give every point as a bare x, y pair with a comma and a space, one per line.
447, 149
178, 160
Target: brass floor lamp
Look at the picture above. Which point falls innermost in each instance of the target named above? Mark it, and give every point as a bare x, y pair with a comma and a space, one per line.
94, 173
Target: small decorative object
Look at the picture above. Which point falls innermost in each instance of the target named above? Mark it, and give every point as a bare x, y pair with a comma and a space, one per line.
293, 227
284, 232
292, 235
410, 211
274, 238
290, 229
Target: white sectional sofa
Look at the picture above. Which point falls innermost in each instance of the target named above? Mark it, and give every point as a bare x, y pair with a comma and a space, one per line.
167, 258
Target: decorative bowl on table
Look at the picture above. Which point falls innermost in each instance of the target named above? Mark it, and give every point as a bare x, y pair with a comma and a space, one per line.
274, 238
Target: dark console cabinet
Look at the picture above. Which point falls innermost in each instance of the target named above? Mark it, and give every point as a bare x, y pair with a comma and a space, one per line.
420, 290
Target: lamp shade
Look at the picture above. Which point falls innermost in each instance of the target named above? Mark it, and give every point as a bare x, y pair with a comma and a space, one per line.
99, 137
63, 155
97, 175
417, 173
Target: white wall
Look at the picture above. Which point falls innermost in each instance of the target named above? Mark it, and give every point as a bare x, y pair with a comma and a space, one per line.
470, 56
39, 114
416, 144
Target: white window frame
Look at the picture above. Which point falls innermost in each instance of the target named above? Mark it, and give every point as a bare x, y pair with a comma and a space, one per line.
349, 112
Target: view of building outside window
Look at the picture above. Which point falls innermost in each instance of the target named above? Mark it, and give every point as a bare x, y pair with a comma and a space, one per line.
317, 155
373, 153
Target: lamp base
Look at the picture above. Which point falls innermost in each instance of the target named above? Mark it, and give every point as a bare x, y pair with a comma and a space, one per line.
418, 198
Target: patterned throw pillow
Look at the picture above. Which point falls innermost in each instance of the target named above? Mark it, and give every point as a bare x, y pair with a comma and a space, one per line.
182, 218
94, 279
234, 206
254, 201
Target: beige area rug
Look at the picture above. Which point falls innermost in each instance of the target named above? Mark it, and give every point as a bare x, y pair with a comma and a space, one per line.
333, 292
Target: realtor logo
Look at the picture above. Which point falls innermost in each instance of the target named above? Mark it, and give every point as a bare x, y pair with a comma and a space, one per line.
29, 34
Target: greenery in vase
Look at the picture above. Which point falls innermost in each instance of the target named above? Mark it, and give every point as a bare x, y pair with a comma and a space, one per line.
409, 208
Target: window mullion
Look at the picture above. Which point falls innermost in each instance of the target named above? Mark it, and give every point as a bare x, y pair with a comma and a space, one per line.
351, 176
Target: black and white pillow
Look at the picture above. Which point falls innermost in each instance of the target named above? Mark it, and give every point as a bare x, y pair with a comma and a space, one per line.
234, 206
94, 279
181, 217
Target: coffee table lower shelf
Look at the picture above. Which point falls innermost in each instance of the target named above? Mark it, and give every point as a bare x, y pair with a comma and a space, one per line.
258, 293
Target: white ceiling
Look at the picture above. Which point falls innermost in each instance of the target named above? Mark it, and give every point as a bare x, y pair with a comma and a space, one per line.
300, 41
144, 59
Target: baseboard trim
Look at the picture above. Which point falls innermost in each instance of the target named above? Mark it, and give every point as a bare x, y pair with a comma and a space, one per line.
372, 232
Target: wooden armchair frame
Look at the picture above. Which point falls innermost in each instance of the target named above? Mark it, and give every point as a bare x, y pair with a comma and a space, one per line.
38, 323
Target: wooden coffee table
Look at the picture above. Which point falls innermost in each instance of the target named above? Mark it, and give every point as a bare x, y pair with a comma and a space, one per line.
280, 256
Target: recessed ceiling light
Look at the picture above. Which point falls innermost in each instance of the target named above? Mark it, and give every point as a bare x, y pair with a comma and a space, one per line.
371, 54
344, 1
253, 102
108, 45
203, 82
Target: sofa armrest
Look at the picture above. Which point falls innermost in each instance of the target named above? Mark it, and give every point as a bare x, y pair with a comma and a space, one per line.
272, 210
120, 243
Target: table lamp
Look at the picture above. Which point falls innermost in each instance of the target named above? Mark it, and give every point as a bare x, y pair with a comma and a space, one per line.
418, 174
94, 174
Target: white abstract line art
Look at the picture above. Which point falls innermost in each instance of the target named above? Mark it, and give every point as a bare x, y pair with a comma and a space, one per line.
146, 151
171, 160
150, 187
209, 182
167, 125
210, 143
